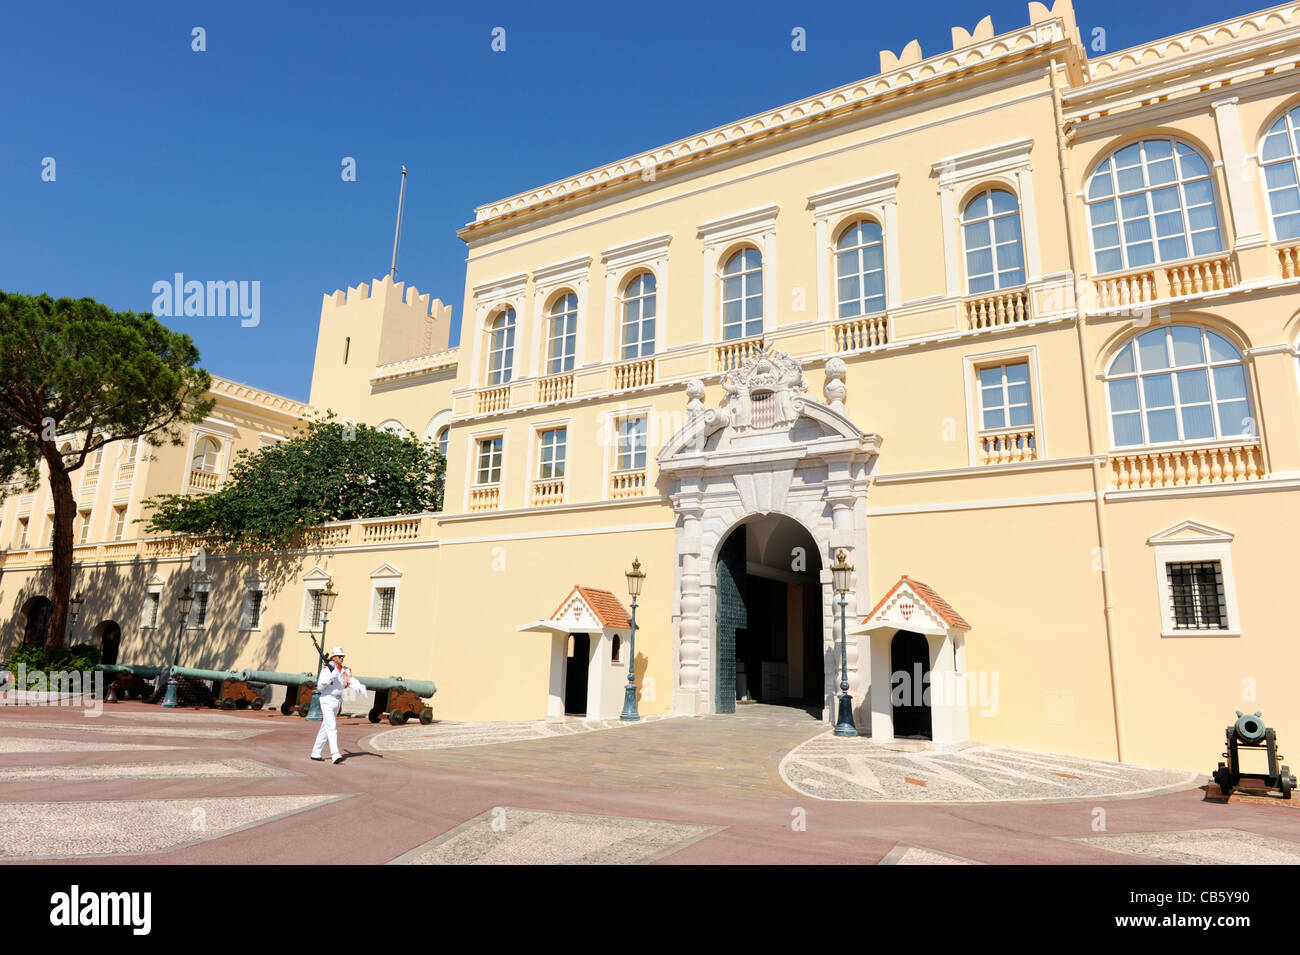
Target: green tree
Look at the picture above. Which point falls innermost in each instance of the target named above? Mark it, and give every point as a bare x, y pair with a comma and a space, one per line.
75, 372
330, 470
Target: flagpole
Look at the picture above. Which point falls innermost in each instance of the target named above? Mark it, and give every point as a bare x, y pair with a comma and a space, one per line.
397, 237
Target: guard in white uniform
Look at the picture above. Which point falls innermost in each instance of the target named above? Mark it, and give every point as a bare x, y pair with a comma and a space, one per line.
330, 684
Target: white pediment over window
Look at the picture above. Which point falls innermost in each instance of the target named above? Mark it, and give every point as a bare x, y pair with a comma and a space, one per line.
317, 573
912, 605
584, 610
385, 570
1191, 532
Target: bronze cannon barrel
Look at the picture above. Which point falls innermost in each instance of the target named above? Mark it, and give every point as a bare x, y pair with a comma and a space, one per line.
270, 676
421, 688
119, 669
197, 674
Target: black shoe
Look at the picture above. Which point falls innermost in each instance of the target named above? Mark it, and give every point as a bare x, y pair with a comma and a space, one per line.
337, 760
318, 759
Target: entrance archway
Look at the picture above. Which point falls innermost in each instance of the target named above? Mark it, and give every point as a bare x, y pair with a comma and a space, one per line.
770, 631
37, 626
909, 664
575, 675
109, 635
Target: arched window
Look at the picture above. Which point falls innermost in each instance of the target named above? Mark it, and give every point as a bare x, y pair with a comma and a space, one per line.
860, 269
639, 316
1152, 202
392, 426
561, 342
207, 456
501, 347
1178, 383
443, 435
1279, 155
995, 257
742, 295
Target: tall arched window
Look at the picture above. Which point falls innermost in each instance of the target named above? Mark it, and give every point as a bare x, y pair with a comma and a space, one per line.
207, 456
860, 269
443, 436
639, 316
742, 295
995, 256
1279, 155
501, 347
1178, 383
1152, 202
562, 338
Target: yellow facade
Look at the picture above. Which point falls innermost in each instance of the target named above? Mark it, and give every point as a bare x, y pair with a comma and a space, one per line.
1058, 537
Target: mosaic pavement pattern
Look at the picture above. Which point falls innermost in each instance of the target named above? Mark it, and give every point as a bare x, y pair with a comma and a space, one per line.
905, 854
858, 770
195, 769
11, 744
506, 836
56, 830
456, 735
1200, 847
100, 727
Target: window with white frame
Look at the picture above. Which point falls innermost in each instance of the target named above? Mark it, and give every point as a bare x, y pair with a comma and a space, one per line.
562, 336
384, 585
742, 295
119, 522
501, 347
254, 599
995, 257
199, 609
1152, 201
314, 585
152, 607
83, 534
1279, 157
131, 451
489, 460
551, 453
22, 531
1005, 400
1194, 581
860, 269
1177, 383
631, 444
639, 308
207, 456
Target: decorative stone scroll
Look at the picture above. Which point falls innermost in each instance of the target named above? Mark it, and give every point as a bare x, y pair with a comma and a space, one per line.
765, 393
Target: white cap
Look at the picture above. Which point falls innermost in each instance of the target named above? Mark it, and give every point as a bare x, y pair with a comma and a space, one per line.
337, 652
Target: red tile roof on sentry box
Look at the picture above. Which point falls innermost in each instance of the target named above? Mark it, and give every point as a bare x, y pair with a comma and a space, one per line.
603, 604
927, 593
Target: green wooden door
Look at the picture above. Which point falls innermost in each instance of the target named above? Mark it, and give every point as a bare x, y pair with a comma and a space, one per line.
730, 615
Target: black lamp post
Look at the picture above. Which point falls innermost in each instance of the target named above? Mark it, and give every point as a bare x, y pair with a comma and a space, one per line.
327, 598
184, 601
841, 572
75, 606
635, 580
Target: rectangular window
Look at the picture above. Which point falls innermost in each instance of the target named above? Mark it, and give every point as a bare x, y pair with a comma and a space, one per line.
84, 535
1004, 397
152, 604
199, 615
119, 522
387, 603
253, 609
1196, 590
22, 532
631, 444
552, 446
489, 460
315, 609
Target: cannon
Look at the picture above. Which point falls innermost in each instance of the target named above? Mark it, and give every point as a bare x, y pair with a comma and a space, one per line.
300, 688
133, 682
399, 699
229, 689
1249, 732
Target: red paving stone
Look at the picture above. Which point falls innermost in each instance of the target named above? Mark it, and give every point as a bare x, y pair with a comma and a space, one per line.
396, 804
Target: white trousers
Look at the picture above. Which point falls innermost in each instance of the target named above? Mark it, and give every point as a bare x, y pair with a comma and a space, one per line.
329, 711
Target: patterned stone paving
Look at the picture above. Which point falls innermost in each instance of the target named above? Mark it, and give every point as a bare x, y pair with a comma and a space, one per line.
858, 770
1200, 847
456, 735
57, 830
506, 836
103, 727
13, 744
904, 854
196, 769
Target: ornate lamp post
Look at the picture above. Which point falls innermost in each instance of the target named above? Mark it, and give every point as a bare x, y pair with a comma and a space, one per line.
327, 598
184, 601
841, 572
75, 606
635, 580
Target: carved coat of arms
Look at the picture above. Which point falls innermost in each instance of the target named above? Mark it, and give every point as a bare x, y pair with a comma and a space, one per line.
765, 392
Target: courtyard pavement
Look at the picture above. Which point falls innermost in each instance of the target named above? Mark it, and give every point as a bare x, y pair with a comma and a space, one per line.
142, 784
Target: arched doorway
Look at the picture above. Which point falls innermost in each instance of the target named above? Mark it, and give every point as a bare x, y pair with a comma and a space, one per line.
769, 629
110, 637
909, 664
575, 675
37, 626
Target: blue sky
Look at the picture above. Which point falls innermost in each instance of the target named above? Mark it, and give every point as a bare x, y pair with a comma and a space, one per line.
225, 164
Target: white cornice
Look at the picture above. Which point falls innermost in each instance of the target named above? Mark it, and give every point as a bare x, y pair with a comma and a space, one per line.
562, 273
1001, 157
503, 287
738, 224
881, 188
630, 253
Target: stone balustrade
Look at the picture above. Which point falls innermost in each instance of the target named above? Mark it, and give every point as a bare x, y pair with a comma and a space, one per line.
555, 388
729, 355
492, 399
125, 472
485, 498
1117, 291
547, 492
203, 480
1002, 308
634, 374
1218, 463
1288, 257
1007, 446
1196, 278
869, 331
627, 484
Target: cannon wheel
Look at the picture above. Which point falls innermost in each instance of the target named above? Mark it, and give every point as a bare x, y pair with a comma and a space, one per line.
258, 702
227, 703
374, 716
426, 716
303, 710
1286, 782
1221, 777
287, 707
396, 718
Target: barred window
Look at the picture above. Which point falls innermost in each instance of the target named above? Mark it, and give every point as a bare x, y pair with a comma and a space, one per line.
200, 609
1196, 589
315, 609
387, 603
254, 609
152, 602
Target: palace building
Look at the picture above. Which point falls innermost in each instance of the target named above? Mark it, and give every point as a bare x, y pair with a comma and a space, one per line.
1014, 328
